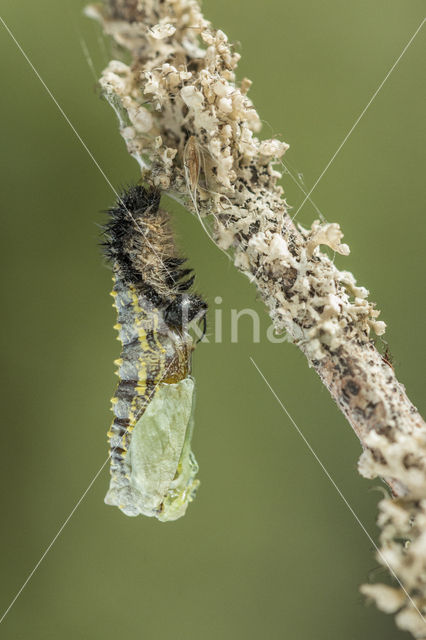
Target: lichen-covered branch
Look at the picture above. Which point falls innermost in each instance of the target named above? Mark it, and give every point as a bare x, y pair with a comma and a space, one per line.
192, 129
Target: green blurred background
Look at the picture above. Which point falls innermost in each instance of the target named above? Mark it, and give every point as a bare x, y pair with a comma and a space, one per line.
268, 549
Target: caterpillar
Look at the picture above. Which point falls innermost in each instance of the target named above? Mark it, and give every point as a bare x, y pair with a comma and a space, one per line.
152, 466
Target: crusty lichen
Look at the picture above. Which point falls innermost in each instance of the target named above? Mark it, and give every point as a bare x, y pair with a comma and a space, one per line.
403, 547
192, 128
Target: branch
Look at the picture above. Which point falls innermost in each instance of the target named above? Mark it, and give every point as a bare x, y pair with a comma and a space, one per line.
192, 129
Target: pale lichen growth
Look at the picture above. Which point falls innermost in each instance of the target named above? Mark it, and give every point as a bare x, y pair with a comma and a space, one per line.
192, 129
403, 547
401, 455
328, 234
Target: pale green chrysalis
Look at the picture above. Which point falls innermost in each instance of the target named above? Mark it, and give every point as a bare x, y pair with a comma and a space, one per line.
161, 467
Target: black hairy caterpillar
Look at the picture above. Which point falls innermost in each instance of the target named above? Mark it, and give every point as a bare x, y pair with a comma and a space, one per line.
140, 241
152, 467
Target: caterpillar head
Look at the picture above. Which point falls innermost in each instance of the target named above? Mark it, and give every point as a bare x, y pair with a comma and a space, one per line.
184, 309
